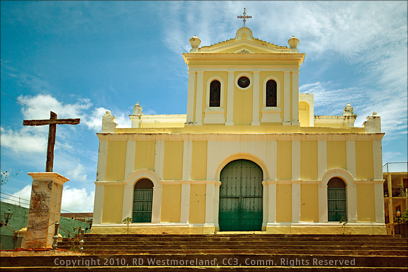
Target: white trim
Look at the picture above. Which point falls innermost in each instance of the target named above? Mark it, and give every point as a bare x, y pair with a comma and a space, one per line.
255, 100
190, 97
230, 99
199, 98
296, 202
296, 160
207, 103
321, 158
130, 157
271, 115
98, 204
286, 98
243, 69
185, 203
295, 98
102, 160
351, 157
379, 203
265, 203
128, 189
159, 158
216, 207
214, 115
244, 74
187, 159
377, 160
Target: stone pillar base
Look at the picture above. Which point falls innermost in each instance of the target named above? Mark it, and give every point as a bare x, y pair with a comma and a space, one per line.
45, 208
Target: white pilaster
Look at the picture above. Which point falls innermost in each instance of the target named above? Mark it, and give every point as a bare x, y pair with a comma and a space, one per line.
379, 202
102, 160
199, 98
159, 159
352, 203
190, 97
216, 202
185, 202
377, 160
296, 202
272, 202
295, 160
321, 158
274, 160
156, 209
187, 159
255, 98
286, 98
230, 99
130, 157
265, 203
127, 204
351, 157
209, 204
98, 203
295, 98
323, 210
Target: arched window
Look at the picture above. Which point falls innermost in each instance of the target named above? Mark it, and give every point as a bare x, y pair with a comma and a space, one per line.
215, 93
142, 201
271, 95
336, 200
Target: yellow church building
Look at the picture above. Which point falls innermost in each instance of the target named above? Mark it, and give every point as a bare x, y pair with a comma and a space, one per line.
249, 155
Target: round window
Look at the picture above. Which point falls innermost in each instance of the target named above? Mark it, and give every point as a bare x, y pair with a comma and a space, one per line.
243, 82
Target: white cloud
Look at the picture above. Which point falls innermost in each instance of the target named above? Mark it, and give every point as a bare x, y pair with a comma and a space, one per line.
25, 141
73, 199
94, 120
77, 174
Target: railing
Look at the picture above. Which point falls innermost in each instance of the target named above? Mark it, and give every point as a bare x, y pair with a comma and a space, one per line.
395, 167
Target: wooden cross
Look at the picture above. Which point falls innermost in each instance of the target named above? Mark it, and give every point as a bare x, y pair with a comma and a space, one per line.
244, 17
52, 122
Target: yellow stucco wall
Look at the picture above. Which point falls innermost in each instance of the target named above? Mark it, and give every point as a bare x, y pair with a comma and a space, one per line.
199, 161
310, 203
308, 159
365, 203
284, 203
116, 161
112, 204
171, 203
173, 160
284, 160
364, 160
304, 114
243, 106
197, 203
336, 154
144, 154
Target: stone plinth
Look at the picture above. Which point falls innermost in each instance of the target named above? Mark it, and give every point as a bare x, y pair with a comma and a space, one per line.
45, 208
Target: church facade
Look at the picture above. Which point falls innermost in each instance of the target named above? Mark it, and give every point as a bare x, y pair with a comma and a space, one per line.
249, 155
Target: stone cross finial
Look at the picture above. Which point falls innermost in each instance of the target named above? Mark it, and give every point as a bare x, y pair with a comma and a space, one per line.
244, 17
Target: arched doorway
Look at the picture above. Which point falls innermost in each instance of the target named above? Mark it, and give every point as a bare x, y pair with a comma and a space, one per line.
142, 201
336, 199
241, 194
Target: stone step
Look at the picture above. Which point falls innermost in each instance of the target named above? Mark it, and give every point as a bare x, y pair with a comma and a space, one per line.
215, 260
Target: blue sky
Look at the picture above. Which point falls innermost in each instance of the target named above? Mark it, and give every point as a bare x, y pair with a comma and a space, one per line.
80, 58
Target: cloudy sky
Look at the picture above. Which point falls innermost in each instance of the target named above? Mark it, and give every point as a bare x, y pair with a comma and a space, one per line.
80, 58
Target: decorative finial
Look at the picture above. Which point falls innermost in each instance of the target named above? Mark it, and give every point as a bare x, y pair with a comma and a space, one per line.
244, 17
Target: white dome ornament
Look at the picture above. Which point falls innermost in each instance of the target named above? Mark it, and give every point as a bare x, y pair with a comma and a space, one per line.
195, 43
293, 43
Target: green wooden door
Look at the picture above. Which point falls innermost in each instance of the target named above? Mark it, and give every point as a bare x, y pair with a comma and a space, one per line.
241, 197
337, 205
142, 201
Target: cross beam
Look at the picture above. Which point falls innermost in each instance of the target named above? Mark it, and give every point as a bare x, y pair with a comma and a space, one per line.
244, 17
52, 122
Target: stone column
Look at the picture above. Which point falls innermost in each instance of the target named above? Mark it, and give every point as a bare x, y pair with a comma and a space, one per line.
45, 208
